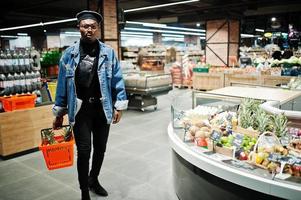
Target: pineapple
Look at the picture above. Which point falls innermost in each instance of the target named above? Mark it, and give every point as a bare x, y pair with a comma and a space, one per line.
48, 134
247, 113
67, 133
280, 124
262, 120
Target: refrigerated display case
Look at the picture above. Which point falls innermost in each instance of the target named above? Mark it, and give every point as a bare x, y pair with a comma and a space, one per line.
142, 89
200, 173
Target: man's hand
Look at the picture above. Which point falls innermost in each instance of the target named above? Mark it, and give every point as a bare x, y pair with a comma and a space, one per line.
117, 116
57, 123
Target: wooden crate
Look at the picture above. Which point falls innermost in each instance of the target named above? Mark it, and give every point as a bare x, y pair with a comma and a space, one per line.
250, 133
20, 130
268, 80
242, 78
207, 81
227, 151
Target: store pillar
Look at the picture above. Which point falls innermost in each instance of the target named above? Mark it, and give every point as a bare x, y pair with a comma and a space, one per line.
39, 42
222, 42
109, 26
157, 38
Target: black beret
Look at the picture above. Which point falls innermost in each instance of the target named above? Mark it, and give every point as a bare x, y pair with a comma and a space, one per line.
89, 14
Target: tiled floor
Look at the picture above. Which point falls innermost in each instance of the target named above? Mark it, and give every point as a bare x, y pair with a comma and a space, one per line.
137, 165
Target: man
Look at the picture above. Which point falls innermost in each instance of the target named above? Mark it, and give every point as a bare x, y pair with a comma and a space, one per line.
91, 90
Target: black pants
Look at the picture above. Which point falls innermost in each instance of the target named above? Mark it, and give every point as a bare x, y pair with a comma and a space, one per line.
90, 119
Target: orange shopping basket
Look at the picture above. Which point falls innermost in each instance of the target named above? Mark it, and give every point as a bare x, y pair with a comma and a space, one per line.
58, 155
18, 102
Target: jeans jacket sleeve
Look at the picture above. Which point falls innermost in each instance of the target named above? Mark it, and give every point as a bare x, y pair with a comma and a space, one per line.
60, 106
118, 87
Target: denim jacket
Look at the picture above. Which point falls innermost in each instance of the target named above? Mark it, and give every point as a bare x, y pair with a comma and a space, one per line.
110, 80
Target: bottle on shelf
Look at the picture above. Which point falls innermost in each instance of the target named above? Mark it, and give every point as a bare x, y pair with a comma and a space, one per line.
15, 62
22, 82
2, 84
22, 62
38, 80
10, 85
27, 61
28, 81
33, 81
2, 58
9, 62
17, 83
5, 63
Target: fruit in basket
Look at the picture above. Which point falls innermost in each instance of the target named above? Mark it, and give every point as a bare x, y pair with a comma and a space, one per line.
288, 169
265, 162
48, 137
243, 155
272, 167
259, 157
296, 170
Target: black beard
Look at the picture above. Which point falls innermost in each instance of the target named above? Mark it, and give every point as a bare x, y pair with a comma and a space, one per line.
88, 41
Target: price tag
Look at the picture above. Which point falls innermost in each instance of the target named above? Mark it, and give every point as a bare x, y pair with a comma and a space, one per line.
274, 157
238, 139
298, 161
288, 159
215, 136
285, 141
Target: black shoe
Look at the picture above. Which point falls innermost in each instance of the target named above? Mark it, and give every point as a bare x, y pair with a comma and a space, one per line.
96, 187
85, 195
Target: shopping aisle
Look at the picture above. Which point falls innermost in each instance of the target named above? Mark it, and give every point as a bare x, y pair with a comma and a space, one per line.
137, 165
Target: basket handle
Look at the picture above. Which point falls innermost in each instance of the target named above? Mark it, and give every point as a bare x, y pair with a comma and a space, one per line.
261, 136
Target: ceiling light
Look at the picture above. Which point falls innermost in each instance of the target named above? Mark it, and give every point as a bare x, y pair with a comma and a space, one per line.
60, 21
246, 35
185, 29
198, 25
136, 33
259, 30
160, 6
170, 35
163, 31
45, 31
128, 32
137, 36
20, 27
9, 36
22, 34
147, 24
38, 24
72, 33
273, 19
164, 26
173, 39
